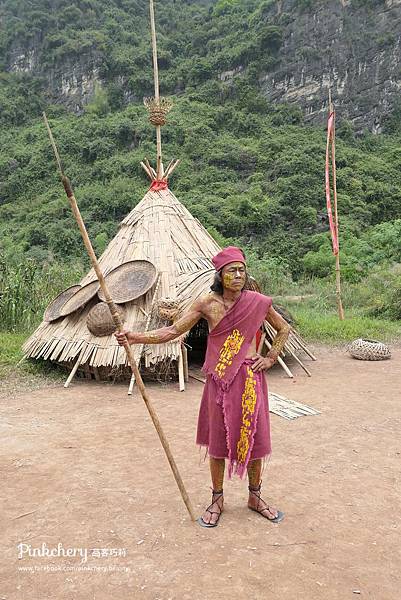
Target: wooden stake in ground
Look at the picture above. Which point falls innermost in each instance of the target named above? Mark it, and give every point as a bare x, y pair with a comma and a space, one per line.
331, 135
118, 324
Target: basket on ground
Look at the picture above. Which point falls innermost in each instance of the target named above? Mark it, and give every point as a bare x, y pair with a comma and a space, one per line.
369, 350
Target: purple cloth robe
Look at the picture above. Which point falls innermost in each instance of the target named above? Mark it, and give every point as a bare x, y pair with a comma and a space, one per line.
234, 413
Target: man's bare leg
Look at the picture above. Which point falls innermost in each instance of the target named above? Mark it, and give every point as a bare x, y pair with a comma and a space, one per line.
217, 466
254, 500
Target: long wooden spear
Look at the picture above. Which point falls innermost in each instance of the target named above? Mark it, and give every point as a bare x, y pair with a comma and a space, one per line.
118, 323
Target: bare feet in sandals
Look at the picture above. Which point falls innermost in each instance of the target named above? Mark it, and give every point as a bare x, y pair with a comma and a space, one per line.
211, 516
256, 503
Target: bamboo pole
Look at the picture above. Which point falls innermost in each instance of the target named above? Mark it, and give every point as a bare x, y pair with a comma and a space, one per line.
201, 379
149, 317
280, 361
145, 168
334, 171
74, 368
119, 326
302, 345
166, 172
185, 361
299, 361
181, 379
173, 167
157, 93
151, 169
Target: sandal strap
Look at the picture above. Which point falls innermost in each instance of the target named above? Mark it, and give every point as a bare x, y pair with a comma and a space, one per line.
255, 491
215, 501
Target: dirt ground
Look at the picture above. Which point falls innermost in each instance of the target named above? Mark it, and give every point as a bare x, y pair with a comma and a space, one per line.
82, 468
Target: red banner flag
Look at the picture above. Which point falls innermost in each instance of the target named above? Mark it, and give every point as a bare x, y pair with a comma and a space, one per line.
333, 226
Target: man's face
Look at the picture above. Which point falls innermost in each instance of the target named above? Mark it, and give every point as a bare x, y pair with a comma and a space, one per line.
233, 276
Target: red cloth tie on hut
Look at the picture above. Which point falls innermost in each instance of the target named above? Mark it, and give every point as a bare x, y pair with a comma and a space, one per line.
158, 185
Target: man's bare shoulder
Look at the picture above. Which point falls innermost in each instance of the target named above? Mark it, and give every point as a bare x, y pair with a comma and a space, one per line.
211, 298
206, 301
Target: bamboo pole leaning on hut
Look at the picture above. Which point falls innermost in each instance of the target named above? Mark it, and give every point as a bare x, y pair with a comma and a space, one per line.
118, 323
74, 368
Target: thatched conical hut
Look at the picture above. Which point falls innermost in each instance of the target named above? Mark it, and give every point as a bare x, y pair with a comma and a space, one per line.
160, 230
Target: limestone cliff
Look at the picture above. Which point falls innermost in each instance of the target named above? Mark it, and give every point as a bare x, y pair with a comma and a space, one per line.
351, 46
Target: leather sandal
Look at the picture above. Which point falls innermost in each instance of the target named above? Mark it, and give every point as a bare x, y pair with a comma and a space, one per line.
256, 492
215, 498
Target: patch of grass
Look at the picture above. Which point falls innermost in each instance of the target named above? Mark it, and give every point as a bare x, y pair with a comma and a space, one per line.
11, 354
10, 351
326, 327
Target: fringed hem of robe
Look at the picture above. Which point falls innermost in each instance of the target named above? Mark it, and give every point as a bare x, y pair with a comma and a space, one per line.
235, 423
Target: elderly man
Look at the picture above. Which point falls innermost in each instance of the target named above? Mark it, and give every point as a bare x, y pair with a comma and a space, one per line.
233, 418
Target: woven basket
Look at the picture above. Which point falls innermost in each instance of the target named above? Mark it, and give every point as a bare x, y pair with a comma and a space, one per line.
99, 320
369, 350
158, 110
80, 298
53, 310
167, 308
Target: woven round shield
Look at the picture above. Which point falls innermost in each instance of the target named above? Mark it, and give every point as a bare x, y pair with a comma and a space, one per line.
53, 310
99, 320
369, 350
130, 281
80, 298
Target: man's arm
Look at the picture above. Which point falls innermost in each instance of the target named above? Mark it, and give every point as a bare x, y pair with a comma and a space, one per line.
283, 331
164, 334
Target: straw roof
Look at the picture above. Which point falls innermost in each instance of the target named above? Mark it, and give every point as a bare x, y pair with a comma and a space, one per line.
161, 230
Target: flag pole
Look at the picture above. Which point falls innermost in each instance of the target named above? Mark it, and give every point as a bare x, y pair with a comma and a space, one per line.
118, 323
334, 171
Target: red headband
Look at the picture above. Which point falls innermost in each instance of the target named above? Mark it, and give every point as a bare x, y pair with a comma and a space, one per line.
228, 255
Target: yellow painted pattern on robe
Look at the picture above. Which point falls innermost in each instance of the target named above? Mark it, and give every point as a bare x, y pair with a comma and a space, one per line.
229, 349
248, 408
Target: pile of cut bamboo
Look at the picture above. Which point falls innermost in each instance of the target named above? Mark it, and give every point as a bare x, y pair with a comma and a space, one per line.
293, 346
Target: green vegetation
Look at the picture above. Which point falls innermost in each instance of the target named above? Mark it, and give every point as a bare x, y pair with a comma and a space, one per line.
251, 171
10, 350
313, 306
27, 287
327, 328
12, 367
